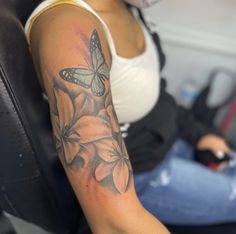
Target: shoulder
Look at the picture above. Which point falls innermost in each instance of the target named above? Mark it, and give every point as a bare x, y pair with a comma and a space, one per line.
66, 15
65, 25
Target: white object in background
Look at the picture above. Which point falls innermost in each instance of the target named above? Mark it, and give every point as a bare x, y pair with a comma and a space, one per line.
189, 93
221, 89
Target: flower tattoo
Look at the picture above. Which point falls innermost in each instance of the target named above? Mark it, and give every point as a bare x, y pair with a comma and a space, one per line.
74, 131
115, 163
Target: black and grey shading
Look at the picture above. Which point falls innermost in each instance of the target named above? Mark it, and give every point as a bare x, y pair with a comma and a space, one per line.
95, 74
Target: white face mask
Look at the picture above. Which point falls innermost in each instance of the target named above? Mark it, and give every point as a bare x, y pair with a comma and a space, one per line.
142, 3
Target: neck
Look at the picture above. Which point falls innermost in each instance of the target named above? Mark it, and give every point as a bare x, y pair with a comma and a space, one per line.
106, 5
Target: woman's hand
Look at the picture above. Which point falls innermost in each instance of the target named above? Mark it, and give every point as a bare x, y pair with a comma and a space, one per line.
213, 143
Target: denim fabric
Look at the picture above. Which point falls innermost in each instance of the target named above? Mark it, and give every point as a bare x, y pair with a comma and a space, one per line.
181, 191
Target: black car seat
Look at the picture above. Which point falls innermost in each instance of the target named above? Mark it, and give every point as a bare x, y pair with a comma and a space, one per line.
33, 185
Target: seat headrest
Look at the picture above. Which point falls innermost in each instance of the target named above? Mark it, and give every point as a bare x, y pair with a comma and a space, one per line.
21, 8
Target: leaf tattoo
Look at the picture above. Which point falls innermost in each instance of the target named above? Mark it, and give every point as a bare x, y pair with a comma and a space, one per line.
93, 76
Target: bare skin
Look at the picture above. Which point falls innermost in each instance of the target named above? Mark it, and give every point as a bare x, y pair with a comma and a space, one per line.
120, 23
73, 60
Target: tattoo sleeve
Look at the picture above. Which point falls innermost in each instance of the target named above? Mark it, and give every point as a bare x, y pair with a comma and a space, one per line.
85, 125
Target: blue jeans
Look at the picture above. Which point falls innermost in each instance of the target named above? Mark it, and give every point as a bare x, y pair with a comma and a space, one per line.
183, 192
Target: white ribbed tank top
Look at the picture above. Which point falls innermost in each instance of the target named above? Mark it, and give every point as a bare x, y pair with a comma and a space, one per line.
134, 81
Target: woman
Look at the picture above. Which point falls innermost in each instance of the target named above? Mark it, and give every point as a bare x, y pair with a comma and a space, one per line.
85, 54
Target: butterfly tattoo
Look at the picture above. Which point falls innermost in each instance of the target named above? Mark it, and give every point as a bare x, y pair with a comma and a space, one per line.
93, 76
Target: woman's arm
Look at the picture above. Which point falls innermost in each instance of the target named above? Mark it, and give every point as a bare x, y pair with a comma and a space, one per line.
73, 61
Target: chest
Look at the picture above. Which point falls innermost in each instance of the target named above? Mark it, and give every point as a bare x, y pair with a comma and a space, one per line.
126, 32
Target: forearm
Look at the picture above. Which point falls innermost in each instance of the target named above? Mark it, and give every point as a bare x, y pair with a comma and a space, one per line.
140, 223
128, 218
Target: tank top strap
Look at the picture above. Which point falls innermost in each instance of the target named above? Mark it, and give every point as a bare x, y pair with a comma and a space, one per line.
48, 4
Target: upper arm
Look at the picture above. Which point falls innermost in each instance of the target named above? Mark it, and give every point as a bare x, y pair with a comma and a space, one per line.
72, 57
